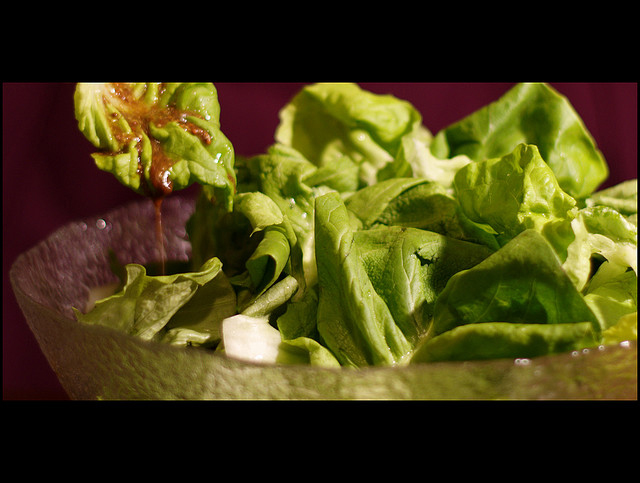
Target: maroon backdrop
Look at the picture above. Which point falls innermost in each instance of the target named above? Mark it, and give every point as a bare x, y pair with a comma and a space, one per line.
49, 178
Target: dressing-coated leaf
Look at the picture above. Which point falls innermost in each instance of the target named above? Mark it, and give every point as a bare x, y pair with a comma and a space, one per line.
157, 138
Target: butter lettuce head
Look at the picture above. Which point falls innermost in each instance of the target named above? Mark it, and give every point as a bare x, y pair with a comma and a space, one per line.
358, 239
157, 138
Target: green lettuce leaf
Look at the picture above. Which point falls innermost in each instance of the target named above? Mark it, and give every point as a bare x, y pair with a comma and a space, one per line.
518, 302
408, 268
353, 320
150, 306
611, 294
255, 242
415, 159
611, 236
523, 282
622, 197
529, 113
300, 317
496, 340
293, 183
625, 329
342, 123
273, 253
213, 231
158, 138
269, 301
372, 203
507, 195
199, 321
600, 233
414, 203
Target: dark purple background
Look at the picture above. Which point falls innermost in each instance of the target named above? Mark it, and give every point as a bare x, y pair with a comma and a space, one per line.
49, 178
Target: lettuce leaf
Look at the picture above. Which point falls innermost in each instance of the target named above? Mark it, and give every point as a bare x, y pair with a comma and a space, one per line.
529, 113
510, 194
415, 159
523, 282
612, 294
518, 302
273, 253
408, 268
155, 307
353, 320
497, 340
625, 329
416, 203
342, 123
158, 138
282, 174
622, 197
499, 198
611, 236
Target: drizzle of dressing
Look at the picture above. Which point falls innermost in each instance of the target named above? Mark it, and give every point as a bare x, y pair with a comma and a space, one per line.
157, 204
139, 116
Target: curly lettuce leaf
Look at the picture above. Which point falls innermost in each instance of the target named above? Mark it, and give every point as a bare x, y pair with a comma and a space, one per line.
157, 138
601, 232
293, 183
530, 113
371, 204
611, 236
612, 293
273, 252
415, 159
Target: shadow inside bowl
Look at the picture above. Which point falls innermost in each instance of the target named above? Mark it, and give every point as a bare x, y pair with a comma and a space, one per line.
94, 362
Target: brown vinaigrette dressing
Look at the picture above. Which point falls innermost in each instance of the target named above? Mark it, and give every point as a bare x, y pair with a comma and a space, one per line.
157, 205
139, 115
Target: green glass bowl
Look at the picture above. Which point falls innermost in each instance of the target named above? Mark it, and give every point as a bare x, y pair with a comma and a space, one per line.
94, 362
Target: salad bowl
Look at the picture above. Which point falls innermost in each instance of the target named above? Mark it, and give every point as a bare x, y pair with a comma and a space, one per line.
94, 362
